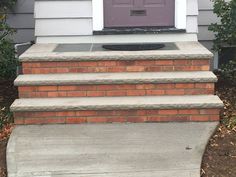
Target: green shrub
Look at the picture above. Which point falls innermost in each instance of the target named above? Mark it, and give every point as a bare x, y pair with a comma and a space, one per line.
8, 62
227, 73
225, 33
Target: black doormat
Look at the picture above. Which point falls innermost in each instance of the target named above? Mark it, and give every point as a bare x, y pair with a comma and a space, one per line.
133, 47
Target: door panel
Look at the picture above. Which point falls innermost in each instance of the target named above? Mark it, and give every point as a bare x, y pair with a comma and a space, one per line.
139, 13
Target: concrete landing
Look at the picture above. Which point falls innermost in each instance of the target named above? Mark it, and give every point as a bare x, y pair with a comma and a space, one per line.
108, 150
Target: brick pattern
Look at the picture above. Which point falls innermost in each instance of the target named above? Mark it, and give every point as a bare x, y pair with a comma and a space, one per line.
115, 66
137, 116
116, 90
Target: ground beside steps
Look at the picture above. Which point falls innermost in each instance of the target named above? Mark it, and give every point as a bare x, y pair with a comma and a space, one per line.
108, 150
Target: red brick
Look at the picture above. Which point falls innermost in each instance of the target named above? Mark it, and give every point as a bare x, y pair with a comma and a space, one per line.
145, 62
137, 119
215, 117
135, 68
89, 63
19, 121
184, 85
200, 62
116, 93
76, 94
164, 62
155, 92
189, 111
95, 93
126, 63
145, 86
200, 118
97, 119
154, 119
86, 113
106, 87
125, 87
66, 114
209, 111
107, 63
207, 85
76, 120
182, 62
136, 92
168, 112
175, 92
67, 88
53, 94
47, 88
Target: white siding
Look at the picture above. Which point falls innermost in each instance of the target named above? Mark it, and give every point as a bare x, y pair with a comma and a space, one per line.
206, 17
63, 9
63, 27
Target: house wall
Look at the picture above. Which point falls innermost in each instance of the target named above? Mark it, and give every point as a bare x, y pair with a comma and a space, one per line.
22, 19
66, 19
205, 18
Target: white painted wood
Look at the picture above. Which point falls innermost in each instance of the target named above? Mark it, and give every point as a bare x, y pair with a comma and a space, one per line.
192, 7
66, 27
98, 19
139, 38
192, 24
63, 9
180, 14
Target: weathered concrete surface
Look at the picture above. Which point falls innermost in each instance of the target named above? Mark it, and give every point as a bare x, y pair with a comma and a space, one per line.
117, 103
115, 78
186, 50
108, 150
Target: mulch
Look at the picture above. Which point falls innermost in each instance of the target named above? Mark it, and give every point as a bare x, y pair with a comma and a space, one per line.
219, 159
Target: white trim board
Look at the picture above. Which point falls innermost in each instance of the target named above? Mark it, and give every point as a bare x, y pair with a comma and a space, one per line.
180, 14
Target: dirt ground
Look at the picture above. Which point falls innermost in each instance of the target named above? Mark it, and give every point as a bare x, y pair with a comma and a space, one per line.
219, 159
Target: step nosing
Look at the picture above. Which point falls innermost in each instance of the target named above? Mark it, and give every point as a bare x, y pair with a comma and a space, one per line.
114, 78
117, 103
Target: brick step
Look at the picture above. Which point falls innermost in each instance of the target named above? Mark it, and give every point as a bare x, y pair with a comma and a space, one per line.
47, 59
117, 109
101, 66
116, 84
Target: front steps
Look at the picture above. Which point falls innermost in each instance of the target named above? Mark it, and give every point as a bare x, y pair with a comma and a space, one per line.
110, 86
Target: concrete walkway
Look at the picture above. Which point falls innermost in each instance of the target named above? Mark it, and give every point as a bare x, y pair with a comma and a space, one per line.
108, 150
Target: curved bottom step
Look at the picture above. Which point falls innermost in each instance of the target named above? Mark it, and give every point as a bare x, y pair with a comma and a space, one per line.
119, 150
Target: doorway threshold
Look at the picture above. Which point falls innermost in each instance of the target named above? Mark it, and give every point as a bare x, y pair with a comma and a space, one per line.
138, 30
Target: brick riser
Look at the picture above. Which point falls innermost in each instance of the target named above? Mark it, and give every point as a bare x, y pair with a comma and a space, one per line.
121, 116
115, 66
116, 90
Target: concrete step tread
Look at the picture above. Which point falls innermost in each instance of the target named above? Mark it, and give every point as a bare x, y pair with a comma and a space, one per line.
115, 78
117, 103
185, 50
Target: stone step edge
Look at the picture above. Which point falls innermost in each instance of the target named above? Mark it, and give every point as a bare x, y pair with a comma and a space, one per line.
117, 103
115, 78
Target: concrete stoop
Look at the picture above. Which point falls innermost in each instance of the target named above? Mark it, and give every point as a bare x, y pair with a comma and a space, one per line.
108, 150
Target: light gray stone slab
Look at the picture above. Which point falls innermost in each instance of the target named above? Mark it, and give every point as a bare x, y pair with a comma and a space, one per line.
117, 103
115, 78
105, 150
186, 50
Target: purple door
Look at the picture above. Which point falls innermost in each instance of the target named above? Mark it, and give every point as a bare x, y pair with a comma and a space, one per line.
139, 13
